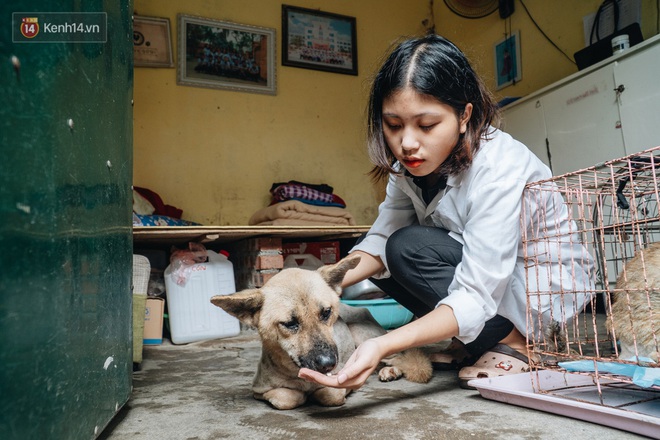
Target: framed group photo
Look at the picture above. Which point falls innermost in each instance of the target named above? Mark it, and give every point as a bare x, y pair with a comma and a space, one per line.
508, 64
152, 42
225, 55
318, 40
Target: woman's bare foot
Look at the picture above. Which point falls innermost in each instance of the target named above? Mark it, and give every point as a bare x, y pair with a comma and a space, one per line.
517, 341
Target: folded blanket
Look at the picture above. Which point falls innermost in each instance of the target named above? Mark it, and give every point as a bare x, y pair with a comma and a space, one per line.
160, 220
293, 212
323, 187
290, 191
297, 222
297, 191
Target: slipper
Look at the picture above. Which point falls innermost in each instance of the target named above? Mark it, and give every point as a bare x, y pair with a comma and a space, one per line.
498, 361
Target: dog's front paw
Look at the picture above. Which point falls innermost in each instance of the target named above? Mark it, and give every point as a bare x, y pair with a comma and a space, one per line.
283, 398
330, 396
389, 373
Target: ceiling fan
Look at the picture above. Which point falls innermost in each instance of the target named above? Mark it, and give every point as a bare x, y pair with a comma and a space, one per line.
472, 8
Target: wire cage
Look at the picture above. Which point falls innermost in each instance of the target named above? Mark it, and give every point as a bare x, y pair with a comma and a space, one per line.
594, 336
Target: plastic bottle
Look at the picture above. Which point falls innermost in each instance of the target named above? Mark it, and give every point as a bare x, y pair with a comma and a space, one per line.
191, 314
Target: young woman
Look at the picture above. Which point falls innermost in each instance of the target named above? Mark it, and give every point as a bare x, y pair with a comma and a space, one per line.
447, 241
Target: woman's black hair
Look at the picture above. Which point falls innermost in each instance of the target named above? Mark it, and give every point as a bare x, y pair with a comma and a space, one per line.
431, 65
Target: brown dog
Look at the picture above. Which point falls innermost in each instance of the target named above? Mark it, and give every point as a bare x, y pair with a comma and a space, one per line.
635, 317
302, 323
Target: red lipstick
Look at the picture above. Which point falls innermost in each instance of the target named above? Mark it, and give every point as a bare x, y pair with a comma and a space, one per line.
413, 163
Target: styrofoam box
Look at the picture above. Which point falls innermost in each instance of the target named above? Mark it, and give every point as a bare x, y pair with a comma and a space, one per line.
191, 314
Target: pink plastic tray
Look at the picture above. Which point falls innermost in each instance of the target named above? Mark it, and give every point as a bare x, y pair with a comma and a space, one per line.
577, 396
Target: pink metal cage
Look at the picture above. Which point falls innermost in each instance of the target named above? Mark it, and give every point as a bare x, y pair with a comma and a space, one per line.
614, 209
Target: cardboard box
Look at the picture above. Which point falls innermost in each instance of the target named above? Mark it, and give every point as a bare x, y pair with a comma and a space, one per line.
326, 251
139, 308
153, 321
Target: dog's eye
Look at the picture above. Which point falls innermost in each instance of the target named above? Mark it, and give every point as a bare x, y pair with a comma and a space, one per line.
291, 325
326, 313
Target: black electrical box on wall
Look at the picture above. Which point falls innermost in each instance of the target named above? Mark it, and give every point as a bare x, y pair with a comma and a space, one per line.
506, 8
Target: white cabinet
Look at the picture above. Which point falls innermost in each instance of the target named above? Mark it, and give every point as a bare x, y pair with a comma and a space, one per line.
582, 120
639, 103
604, 112
526, 123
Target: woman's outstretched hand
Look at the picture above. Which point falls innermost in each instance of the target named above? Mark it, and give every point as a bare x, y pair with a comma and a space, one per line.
358, 368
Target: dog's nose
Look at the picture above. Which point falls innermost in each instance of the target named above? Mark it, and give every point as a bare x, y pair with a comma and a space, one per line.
323, 358
325, 362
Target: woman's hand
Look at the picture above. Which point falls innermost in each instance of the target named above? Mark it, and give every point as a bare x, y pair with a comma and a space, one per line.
437, 325
368, 266
358, 368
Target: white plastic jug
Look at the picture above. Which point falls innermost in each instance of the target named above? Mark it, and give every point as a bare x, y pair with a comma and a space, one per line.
191, 314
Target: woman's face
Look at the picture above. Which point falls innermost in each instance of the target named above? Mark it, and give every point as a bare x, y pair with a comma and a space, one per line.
420, 130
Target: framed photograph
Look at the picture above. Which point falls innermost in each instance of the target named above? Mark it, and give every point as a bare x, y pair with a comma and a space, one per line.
152, 42
508, 65
224, 55
319, 40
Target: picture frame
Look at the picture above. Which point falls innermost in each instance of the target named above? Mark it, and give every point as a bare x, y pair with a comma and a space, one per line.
508, 64
224, 55
152, 42
312, 39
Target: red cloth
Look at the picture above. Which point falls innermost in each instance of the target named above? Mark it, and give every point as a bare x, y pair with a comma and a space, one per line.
160, 207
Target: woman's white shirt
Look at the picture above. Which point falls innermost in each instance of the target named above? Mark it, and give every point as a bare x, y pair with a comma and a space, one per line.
481, 208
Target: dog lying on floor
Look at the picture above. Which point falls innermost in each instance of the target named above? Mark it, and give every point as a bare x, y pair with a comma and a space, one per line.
302, 323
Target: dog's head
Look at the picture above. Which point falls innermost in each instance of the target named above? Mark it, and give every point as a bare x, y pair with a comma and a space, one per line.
294, 313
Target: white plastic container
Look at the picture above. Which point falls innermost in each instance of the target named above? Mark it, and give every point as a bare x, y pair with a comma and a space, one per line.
620, 43
192, 317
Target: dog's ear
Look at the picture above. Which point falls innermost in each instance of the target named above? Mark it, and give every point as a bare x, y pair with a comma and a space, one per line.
334, 274
244, 305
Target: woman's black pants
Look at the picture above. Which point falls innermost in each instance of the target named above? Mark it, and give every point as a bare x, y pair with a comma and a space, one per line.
422, 261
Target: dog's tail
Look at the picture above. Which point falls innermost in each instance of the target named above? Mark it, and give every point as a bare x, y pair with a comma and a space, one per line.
413, 363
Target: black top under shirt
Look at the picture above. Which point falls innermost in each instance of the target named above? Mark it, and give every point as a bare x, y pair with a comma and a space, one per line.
428, 191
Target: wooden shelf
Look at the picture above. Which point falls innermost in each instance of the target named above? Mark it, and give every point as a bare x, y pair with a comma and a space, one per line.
177, 235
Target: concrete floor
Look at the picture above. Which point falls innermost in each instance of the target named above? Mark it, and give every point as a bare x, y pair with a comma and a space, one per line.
202, 391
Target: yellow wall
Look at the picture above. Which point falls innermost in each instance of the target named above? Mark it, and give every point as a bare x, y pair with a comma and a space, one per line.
542, 63
215, 153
